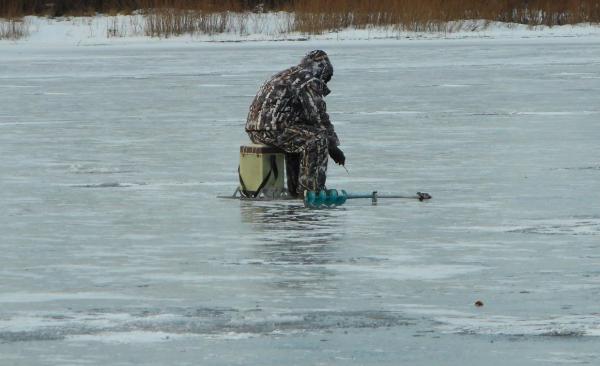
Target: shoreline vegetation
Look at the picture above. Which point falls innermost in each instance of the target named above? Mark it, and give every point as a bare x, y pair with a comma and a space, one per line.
168, 18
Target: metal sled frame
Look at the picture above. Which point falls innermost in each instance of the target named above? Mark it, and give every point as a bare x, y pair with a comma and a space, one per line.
238, 195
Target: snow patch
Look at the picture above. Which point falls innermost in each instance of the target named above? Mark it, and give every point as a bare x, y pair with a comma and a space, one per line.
559, 326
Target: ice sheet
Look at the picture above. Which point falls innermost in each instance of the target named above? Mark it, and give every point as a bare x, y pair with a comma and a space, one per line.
115, 249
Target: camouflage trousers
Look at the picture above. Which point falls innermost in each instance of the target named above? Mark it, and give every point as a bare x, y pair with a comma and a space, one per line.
306, 154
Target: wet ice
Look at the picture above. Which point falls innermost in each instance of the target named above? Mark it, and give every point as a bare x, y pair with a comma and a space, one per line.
113, 241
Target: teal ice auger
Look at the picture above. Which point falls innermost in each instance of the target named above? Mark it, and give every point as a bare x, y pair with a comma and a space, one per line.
333, 197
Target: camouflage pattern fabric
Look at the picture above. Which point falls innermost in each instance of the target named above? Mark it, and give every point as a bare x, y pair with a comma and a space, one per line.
306, 155
289, 112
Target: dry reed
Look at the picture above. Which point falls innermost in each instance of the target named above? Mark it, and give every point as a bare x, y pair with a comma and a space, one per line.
13, 29
169, 22
165, 18
315, 16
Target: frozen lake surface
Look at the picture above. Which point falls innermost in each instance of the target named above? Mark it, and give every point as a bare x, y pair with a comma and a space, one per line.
115, 250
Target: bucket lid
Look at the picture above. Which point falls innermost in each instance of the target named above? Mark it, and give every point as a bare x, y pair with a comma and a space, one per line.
259, 149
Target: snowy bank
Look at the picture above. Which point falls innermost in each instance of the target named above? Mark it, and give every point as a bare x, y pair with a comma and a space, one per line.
128, 29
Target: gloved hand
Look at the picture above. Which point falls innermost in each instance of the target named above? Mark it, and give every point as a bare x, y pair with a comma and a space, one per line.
337, 155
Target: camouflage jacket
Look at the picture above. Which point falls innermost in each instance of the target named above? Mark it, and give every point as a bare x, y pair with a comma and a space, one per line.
295, 97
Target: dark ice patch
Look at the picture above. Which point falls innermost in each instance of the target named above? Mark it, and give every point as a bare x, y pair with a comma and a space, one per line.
100, 171
572, 225
109, 185
28, 336
207, 321
584, 168
566, 333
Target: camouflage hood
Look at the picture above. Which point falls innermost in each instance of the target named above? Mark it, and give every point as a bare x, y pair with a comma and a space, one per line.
318, 65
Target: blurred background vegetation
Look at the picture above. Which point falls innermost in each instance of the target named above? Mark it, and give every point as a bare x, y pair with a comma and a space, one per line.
172, 17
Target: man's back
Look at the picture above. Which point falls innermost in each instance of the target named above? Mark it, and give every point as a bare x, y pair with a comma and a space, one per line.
277, 103
294, 97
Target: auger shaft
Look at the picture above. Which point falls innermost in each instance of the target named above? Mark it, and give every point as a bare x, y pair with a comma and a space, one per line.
375, 195
334, 197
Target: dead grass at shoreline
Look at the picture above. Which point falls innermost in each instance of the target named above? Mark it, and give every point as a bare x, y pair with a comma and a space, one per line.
314, 16
172, 22
165, 18
13, 29
323, 15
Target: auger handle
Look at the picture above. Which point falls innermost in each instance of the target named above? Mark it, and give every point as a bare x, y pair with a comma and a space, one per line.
374, 196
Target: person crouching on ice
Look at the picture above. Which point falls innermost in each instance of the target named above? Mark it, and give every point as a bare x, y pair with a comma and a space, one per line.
289, 113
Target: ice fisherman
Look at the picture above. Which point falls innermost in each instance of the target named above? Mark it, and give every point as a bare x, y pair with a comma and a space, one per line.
290, 114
